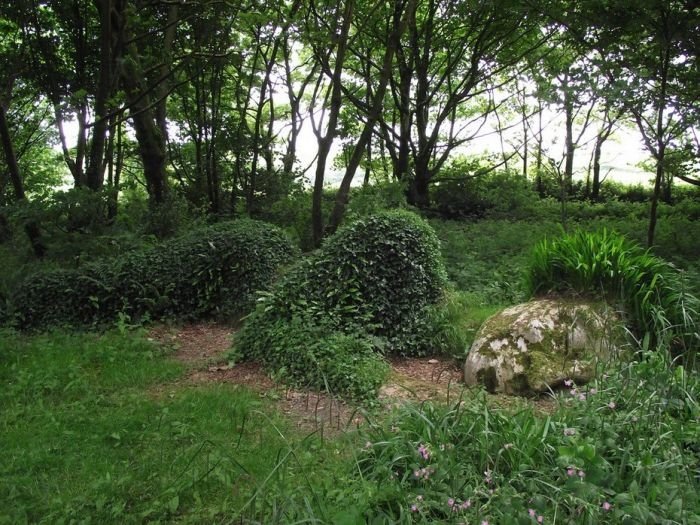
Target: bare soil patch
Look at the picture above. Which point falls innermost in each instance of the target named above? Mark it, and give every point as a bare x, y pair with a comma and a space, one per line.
203, 346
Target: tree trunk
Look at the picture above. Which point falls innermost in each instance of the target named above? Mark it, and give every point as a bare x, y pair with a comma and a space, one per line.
148, 133
325, 142
30, 227
375, 110
595, 186
569, 164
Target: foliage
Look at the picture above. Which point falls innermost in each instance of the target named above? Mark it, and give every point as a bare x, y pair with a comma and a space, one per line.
454, 321
317, 357
621, 450
97, 429
467, 188
210, 271
374, 279
654, 293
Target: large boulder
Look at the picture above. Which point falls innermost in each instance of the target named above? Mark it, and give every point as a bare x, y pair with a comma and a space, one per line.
533, 347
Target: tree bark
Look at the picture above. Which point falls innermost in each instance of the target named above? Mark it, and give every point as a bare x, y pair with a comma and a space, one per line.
325, 142
375, 110
148, 133
30, 227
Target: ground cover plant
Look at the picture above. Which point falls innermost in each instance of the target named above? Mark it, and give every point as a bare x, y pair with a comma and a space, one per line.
99, 429
620, 450
213, 270
366, 292
106, 428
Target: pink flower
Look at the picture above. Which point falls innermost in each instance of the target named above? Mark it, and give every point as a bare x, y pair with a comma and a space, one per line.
606, 506
450, 502
568, 382
581, 474
569, 431
531, 512
414, 508
582, 397
612, 405
593, 391
424, 452
466, 504
484, 522
540, 519
571, 471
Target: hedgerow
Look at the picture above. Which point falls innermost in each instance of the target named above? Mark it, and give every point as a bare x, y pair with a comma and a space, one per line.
375, 279
214, 270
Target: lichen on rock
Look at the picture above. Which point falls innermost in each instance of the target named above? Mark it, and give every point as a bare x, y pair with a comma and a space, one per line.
534, 347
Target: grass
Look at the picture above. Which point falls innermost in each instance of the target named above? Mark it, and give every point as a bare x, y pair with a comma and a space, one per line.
622, 450
88, 433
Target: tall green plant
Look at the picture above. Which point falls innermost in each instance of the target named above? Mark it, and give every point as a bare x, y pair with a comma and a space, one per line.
653, 293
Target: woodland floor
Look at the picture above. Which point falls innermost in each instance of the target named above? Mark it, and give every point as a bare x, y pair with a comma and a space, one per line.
202, 347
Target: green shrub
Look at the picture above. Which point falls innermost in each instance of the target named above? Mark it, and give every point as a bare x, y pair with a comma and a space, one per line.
653, 292
464, 190
375, 279
210, 271
315, 356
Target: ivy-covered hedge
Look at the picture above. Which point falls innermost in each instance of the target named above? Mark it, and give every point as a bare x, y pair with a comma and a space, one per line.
210, 271
375, 279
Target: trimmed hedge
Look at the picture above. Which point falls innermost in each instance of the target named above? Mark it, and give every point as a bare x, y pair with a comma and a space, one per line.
210, 271
375, 279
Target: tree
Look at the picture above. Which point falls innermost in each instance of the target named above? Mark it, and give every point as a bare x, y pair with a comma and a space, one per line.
649, 51
450, 52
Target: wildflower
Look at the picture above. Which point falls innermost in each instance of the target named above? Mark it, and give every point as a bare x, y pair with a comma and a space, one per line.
540, 519
423, 473
368, 444
465, 504
414, 508
487, 477
450, 502
581, 474
573, 392
568, 382
606, 506
424, 452
507, 446
612, 405
569, 431
582, 397
571, 471
531, 512
593, 391
484, 522
419, 498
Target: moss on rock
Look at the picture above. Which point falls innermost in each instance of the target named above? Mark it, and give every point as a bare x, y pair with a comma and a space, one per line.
535, 346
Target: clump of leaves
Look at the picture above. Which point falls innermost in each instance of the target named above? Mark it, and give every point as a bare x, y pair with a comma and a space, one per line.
210, 271
375, 279
620, 450
653, 292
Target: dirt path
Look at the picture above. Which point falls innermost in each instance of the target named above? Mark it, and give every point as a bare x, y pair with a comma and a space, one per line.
203, 347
